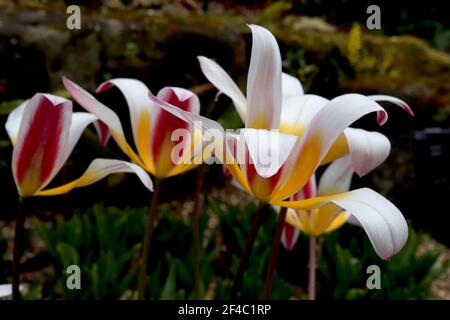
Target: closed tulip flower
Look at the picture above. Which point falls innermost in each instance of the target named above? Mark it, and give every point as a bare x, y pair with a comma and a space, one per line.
44, 132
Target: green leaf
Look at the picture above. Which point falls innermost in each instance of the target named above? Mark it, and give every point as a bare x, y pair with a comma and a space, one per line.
169, 289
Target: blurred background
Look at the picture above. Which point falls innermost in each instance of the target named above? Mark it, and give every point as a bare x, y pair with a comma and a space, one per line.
326, 44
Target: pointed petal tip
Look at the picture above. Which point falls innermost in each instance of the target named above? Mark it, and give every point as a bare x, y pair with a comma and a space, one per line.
398, 102
69, 84
104, 86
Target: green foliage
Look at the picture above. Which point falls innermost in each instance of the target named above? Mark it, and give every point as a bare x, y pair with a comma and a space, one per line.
99, 243
346, 256
105, 243
234, 226
273, 11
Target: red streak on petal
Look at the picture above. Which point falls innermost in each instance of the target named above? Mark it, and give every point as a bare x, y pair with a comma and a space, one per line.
289, 236
42, 138
102, 132
166, 123
308, 189
275, 178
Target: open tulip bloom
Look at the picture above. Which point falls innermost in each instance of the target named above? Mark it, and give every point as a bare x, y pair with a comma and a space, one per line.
166, 145
300, 132
331, 204
304, 131
152, 127
311, 130
44, 132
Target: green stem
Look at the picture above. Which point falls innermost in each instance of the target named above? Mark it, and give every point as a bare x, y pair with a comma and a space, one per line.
312, 268
151, 218
274, 255
196, 231
17, 251
259, 218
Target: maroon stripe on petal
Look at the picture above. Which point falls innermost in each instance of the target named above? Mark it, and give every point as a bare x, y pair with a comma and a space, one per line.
166, 123
289, 236
41, 141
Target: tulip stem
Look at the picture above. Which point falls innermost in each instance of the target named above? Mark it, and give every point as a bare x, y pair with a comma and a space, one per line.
260, 215
312, 268
151, 218
196, 231
17, 251
274, 255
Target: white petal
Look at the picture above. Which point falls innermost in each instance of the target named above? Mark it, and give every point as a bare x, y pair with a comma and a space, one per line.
213, 132
12, 124
383, 222
291, 86
368, 149
337, 177
298, 111
80, 120
322, 131
264, 81
5, 290
222, 81
402, 104
136, 95
268, 149
97, 170
103, 113
15, 117
183, 96
211, 129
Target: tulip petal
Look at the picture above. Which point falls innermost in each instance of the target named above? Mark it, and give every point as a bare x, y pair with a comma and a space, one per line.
12, 124
207, 126
165, 125
337, 177
298, 111
368, 149
264, 81
222, 81
338, 149
319, 136
341, 218
80, 120
140, 108
289, 236
383, 222
5, 290
398, 102
103, 133
268, 149
104, 114
97, 170
308, 191
41, 142
215, 134
291, 86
